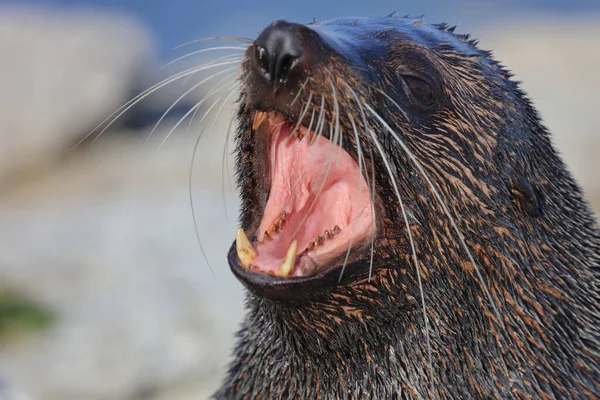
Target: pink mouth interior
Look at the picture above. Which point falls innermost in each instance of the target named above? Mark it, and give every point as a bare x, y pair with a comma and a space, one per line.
319, 186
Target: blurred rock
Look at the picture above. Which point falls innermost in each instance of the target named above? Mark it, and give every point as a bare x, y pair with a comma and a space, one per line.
558, 62
60, 75
107, 242
9, 393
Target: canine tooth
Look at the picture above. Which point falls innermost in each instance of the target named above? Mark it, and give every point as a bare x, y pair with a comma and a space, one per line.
246, 252
259, 118
290, 258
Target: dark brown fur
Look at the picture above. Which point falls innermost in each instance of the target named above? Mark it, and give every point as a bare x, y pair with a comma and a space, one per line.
533, 236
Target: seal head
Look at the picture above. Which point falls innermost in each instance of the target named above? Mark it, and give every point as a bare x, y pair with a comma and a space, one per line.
407, 228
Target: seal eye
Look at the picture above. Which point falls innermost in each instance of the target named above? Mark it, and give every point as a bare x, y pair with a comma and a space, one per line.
419, 90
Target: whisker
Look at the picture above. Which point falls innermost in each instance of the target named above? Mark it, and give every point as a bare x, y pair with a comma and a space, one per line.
336, 110
360, 165
225, 163
190, 179
370, 183
410, 239
193, 53
233, 57
320, 121
129, 104
372, 189
194, 87
226, 144
338, 133
299, 91
198, 105
404, 113
312, 119
229, 57
445, 208
291, 137
302, 115
303, 170
225, 38
314, 202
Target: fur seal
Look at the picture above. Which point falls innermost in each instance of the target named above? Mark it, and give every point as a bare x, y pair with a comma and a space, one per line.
408, 230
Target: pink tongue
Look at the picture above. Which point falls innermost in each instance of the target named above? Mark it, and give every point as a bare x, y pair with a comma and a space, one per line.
300, 172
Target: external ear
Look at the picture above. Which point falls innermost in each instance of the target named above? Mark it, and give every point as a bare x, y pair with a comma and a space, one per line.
525, 195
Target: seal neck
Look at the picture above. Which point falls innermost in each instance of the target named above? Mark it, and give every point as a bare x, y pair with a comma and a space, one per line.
333, 349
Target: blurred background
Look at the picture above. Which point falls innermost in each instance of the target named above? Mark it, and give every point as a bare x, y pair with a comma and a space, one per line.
104, 291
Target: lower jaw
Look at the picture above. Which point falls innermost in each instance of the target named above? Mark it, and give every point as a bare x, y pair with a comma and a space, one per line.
298, 290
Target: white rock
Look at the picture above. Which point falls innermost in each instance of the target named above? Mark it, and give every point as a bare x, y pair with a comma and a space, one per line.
106, 241
558, 62
60, 75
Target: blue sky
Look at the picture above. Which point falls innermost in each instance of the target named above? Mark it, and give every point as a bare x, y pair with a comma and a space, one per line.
178, 21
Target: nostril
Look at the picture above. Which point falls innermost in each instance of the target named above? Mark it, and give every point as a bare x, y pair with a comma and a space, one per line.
286, 64
276, 65
263, 61
279, 49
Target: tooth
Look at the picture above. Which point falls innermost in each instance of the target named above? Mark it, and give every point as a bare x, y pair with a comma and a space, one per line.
259, 118
246, 253
315, 243
279, 225
319, 241
281, 221
326, 235
336, 229
299, 133
288, 263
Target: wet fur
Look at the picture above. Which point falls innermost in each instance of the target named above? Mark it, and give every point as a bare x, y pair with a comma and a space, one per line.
524, 218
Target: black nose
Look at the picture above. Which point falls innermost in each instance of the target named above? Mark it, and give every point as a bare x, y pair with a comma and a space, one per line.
279, 50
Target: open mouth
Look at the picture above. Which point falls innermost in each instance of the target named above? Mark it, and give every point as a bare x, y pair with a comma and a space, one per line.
318, 206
